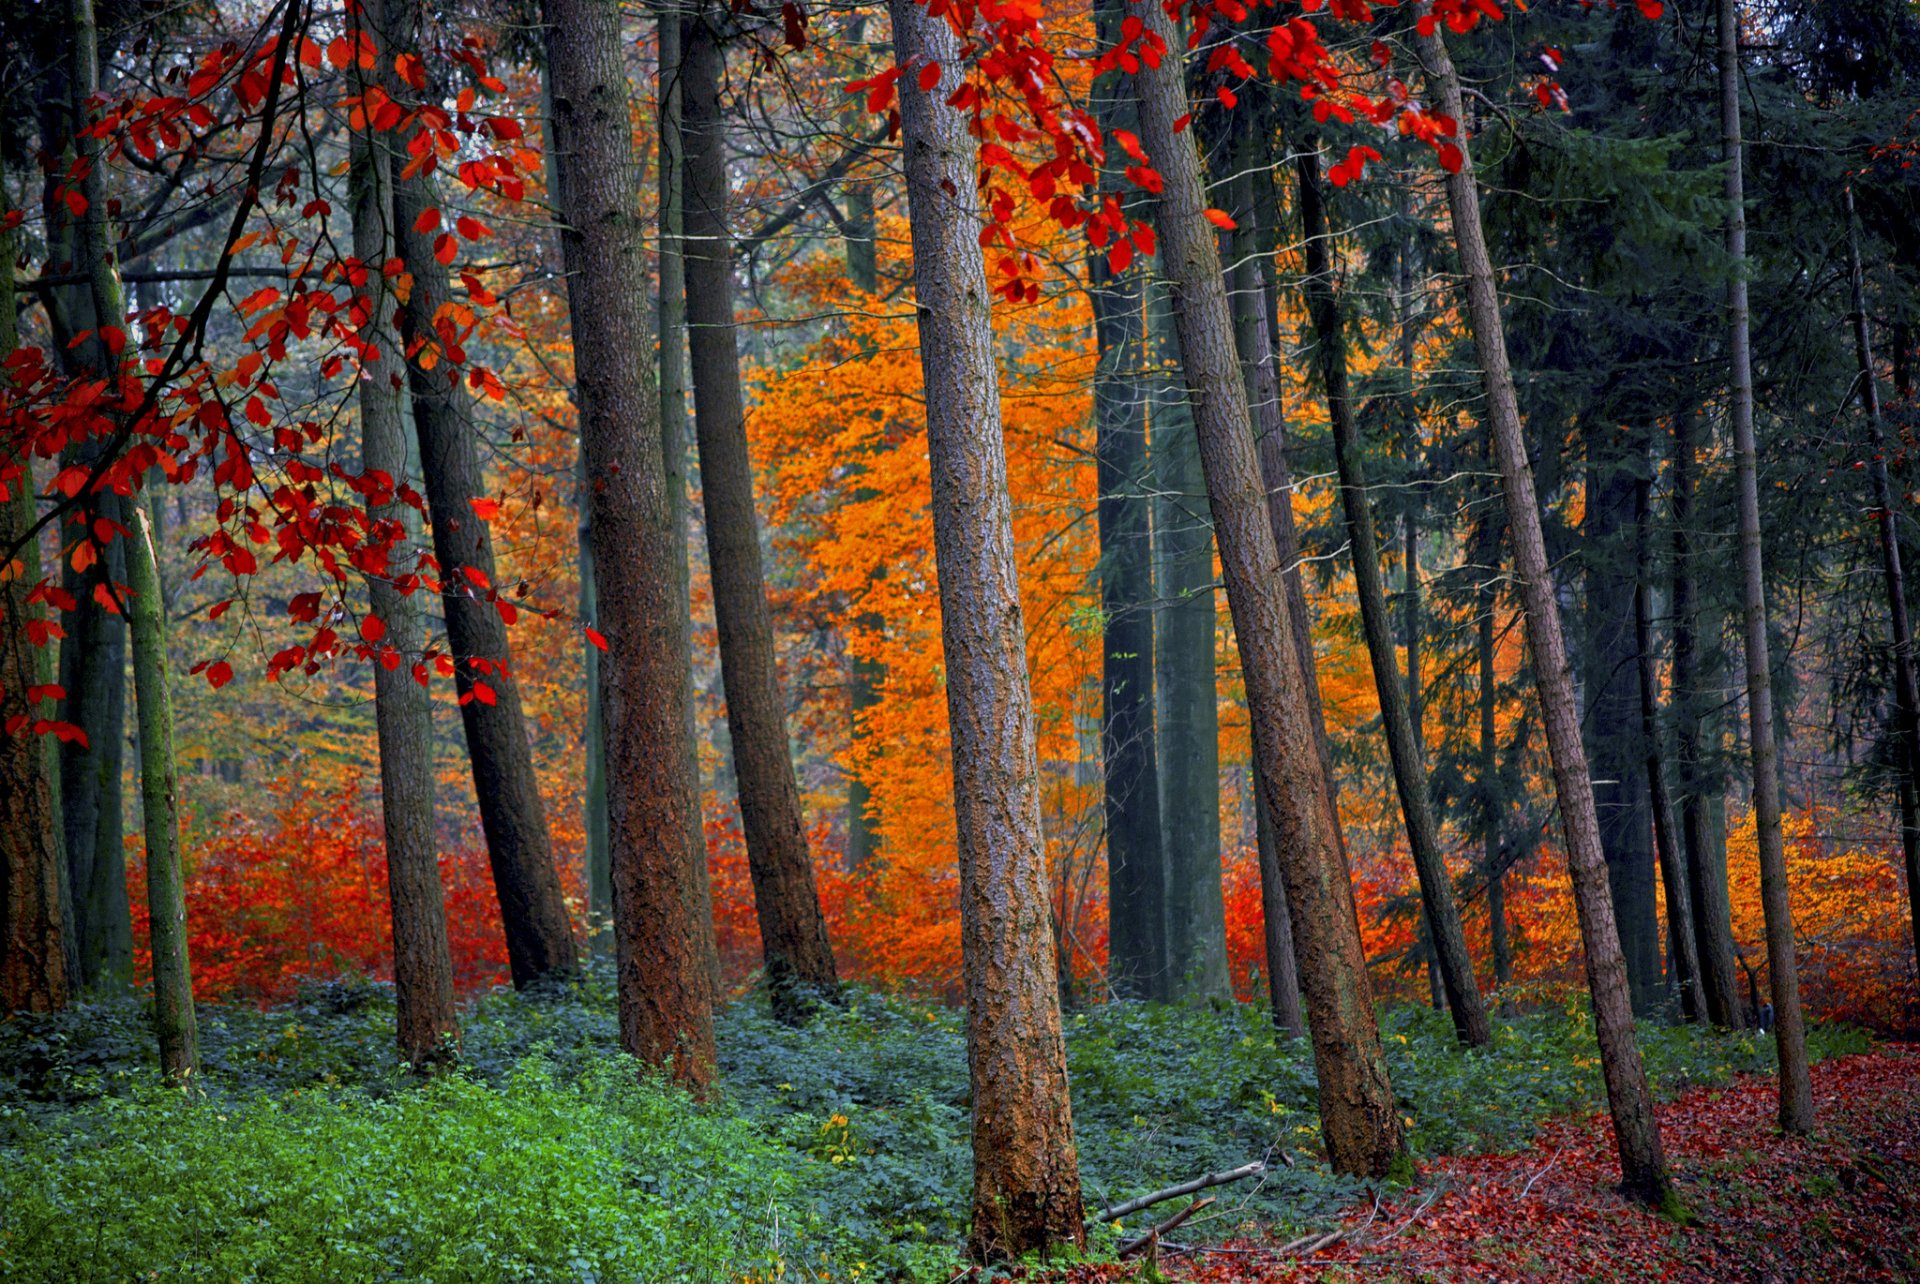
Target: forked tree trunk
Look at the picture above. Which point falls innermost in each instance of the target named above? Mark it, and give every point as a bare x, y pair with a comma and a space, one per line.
793, 931
1359, 1124
1446, 938
427, 1024
661, 947
1026, 1185
1783, 967
1636, 1131
1906, 691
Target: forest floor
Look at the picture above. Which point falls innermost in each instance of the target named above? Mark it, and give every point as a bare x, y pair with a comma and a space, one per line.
1842, 1204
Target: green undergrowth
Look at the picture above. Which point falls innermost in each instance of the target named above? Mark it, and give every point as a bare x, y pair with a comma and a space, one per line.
835, 1152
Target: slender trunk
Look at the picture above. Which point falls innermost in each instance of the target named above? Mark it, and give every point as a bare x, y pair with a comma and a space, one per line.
1636, 1130
793, 932
1906, 691
1026, 1185
1491, 800
1446, 939
533, 912
1796, 1088
1358, 1120
1673, 871
599, 858
662, 948
427, 1024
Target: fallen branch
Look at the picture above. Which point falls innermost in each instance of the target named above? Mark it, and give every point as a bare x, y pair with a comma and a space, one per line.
1198, 1184
1537, 1176
1139, 1242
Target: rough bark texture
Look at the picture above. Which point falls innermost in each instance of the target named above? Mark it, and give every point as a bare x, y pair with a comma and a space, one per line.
1906, 691
793, 931
1783, 967
1359, 1124
427, 1024
1636, 1131
1026, 1192
533, 913
662, 948
1705, 856
1446, 939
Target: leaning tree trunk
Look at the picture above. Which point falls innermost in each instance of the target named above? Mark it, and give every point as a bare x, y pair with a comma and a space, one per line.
1783, 968
793, 931
1906, 691
1447, 939
661, 947
1358, 1121
1636, 1131
533, 910
1672, 855
1026, 1185
426, 1023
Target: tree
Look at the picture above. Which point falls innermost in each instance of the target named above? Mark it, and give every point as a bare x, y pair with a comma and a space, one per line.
1783, 971
1026, 1184
662, 950
1359, 1123
1636, 1130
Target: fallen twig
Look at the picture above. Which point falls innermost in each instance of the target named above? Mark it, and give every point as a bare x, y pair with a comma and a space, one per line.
1537, 1176
1198, 1184
1139, 1242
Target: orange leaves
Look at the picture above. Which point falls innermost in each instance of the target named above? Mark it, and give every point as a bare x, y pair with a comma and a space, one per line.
1220, 219
486, 509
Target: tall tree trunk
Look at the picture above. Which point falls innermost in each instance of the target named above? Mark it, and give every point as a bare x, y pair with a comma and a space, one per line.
1906, 690
1705, 857
427, 1024
1358, 1121
1026, 1185
1673, 871
661, 946
533, 912
1492, 803
793, 932
34, 952
1447, 939
1783, 968
1185, 686
1636, 1131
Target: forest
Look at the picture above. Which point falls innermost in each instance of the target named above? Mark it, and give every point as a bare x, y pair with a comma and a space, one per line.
959, 639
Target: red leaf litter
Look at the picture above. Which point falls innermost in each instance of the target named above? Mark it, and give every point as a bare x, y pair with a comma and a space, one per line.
1840, 1205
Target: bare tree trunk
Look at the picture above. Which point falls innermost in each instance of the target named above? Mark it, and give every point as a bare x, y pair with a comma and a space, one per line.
1906, 690
1492, 804
1026, 1185
1636, 1130
1358, 1120
1783, 968
661, 946
1446, 938
1673, 872
793, 932
427, 1025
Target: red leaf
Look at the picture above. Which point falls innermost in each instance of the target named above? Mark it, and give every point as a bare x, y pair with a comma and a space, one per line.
486, 509
219, 674
594, 636
372, 628
929, 77
484, 693
428, 220
1220, 218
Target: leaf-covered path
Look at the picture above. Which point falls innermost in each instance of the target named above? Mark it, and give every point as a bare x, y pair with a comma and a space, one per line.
1841, 1205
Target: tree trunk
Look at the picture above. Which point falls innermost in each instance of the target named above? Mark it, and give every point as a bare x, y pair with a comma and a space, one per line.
427, 1026
1358, 1121
1492, 804
793, 932
1446, 939
1705, 858
1026, 1191
661, 946
1906, 690
533, 912
1783, 968
1673, 872
1636, 1130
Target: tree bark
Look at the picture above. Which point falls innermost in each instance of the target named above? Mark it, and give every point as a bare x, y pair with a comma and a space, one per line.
427, 1025
1906, 689
533, 912
793, 931
1492, 804
1636, 1130
1783, 968
1446, 938
1358, 1121
661, 946
1026, 1193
